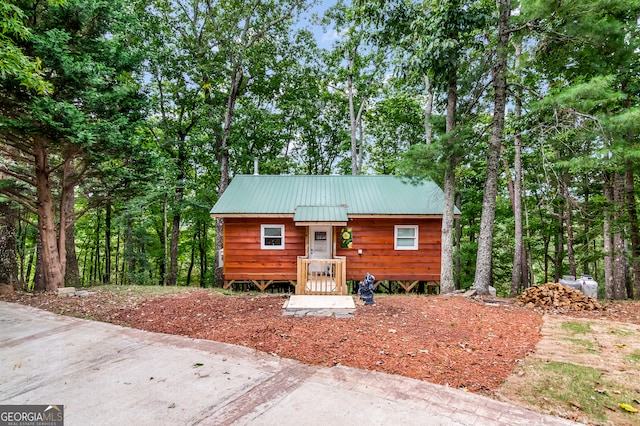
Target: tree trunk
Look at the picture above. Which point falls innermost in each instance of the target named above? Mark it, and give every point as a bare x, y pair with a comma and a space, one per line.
129, 258
21, 251
352, 118
627, 272
619, 253
165, 259
192, 259
595, 263
519, 269
530, 276
482, 279
360, 141
619, 267
8, 247
586, 267
606, 230
107, 244
428, 109
508, 177
83, 279
118, 277
635, 231
519, 272
559, 250
53, 248
568, 217
72, 274
177, 216
173, 248
202, 247
96, 263
458, 266
39, 283
547, 241
224, 166
33, 254
447, 284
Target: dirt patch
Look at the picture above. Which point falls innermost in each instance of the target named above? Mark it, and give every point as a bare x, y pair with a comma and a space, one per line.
6, 290
624, 311
582, 369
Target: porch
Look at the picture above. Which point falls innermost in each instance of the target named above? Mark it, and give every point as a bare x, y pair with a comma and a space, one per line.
322, 276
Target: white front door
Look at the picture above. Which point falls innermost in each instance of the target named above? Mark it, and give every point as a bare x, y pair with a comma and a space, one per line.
320, 242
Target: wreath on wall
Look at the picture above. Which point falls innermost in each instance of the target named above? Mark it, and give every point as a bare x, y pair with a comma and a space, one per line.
346, 238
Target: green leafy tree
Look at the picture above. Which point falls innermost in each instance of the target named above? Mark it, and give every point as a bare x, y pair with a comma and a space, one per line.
395, 123
315, 114
15, 65
431, 40
49, 142
216, 64
482, 278
587, 54
357, 69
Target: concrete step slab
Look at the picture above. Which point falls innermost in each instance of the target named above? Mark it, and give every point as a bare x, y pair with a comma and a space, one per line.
320, 302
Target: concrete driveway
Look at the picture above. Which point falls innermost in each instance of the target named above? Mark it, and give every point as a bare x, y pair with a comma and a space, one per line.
109, 375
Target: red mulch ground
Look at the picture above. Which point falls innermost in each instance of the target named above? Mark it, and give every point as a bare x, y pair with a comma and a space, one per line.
465, 343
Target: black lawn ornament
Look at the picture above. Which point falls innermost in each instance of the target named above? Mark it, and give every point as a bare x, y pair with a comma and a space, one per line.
365, 289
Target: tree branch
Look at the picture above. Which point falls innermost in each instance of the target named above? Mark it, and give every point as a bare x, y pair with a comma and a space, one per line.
21, 200
273, 23
18, 143
527, 88
25, 179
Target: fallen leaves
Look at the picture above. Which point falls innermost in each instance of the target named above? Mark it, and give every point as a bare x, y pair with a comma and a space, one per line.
385, 337
627, 407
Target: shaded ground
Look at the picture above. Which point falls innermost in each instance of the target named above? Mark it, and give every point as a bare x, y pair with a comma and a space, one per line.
452, 340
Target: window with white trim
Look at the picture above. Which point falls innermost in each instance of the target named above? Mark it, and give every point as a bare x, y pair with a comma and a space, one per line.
405, 237
272, 237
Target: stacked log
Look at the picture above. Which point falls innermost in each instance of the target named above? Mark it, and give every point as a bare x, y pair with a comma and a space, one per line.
556, 297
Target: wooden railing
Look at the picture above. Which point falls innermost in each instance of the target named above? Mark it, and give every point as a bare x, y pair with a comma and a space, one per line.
322, 276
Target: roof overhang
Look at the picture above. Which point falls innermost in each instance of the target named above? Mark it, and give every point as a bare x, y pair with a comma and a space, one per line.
398, 216
336, 223
321, 223
265, 215
320, 215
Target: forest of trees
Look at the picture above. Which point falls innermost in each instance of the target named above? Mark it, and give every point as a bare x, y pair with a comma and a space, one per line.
122, 122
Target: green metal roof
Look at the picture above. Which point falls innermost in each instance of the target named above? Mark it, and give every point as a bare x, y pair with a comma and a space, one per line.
359, 195
320, 214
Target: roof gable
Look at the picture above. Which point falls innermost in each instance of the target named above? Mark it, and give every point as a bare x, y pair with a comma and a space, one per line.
359, 195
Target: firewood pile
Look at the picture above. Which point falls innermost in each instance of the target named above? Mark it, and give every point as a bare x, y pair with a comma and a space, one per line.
556, 297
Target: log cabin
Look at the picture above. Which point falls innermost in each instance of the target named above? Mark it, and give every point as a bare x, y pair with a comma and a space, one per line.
319, 232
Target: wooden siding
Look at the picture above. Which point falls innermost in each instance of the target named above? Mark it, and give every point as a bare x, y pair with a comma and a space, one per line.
245, 260
375, 238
